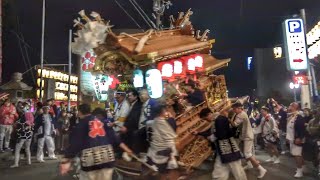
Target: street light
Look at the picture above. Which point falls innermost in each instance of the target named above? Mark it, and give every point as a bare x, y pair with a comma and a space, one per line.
294, 87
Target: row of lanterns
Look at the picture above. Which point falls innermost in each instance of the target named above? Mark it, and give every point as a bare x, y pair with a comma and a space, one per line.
153, 79
176, 68
167, 71
313, 40
180, 67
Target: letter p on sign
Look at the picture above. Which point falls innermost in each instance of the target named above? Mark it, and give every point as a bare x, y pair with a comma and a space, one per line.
294, 26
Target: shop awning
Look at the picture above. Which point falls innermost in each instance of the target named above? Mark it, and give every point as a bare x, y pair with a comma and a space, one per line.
211, 63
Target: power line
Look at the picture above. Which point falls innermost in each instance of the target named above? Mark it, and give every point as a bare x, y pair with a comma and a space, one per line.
25, 50
125, 11
143, 14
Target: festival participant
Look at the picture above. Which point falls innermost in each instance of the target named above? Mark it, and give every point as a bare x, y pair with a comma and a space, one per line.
24, 130
313, 129
8, 115
282, 116
193, 95
162, 150
228, 152
242, 123
74, 119
270, 134
95, 148
122, 109
63, 127
62, 107
100, 114
129, 131
19, 108
50, 104
173, 106
44, 129
147, 108
296, 136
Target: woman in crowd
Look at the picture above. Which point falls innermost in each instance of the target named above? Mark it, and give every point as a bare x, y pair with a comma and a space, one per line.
24, 130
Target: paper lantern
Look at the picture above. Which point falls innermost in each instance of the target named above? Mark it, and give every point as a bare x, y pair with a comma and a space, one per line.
137, 78
88, 60
166, 69
154, 83
101, 85
86, 83
198, 62
179, 69
190, 64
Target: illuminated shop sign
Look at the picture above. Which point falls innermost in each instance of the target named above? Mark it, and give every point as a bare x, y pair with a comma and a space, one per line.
295, 43
56, 75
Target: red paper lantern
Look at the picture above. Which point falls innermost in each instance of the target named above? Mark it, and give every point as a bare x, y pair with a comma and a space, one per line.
166, 69
179, 69
198, 62
189, 64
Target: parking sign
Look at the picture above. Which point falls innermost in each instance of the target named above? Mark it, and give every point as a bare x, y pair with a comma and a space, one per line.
295, 45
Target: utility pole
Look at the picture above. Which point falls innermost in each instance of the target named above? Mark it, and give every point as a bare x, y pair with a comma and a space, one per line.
42, 46
0, 41
69, 79
311, 88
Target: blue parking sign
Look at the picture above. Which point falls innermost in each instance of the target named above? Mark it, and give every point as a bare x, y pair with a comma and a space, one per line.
295, 45
295, 26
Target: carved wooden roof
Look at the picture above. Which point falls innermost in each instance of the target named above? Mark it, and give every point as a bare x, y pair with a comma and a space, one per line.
162, 45
211, 63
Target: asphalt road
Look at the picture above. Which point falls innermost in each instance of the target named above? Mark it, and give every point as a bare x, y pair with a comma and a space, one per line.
49, 170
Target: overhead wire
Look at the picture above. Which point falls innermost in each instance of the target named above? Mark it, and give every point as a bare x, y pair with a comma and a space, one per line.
126, 12
26, 51
143, 14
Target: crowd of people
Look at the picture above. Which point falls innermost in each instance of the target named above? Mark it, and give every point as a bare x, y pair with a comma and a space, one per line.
145, 129
45, 130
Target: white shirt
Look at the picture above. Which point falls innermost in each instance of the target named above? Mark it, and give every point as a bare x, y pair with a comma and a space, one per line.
290, 127
47, 124
122, 110
246, 130
269, 126
144, 112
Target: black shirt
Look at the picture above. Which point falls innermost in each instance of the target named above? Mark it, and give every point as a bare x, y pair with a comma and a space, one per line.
195, 98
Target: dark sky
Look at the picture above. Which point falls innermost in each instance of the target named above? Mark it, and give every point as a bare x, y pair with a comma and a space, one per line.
237, 27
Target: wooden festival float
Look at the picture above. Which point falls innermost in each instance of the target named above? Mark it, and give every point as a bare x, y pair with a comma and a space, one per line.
179, 53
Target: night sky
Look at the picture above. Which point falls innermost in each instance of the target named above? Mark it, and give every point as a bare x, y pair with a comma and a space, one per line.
238, 27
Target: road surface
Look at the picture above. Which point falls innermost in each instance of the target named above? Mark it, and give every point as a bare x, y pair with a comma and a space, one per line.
49, 170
